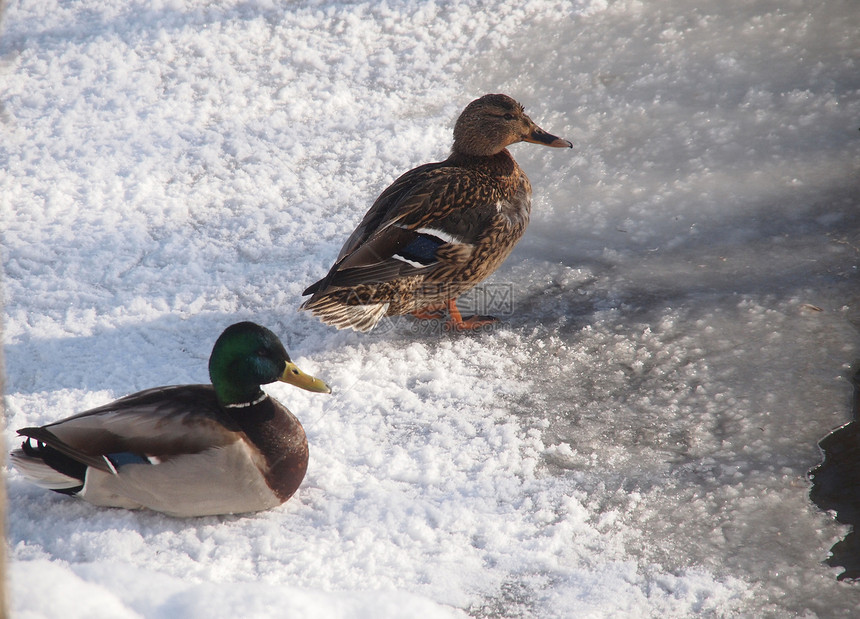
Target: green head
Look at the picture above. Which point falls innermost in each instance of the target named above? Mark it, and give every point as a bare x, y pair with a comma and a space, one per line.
246, 356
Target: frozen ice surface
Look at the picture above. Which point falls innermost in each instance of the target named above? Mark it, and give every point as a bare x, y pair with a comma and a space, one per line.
679, 322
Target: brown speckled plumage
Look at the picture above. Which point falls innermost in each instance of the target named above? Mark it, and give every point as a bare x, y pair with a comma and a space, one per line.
439, 229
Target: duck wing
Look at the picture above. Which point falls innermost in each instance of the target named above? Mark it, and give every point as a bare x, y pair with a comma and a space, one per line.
432, 206
153, 424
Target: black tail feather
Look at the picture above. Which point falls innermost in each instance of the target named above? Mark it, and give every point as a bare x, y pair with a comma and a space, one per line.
57, 461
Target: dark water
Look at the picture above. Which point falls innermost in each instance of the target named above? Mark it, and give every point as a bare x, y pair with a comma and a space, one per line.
836, 486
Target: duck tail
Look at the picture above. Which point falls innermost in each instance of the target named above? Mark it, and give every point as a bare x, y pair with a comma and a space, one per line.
336, 313
48, 468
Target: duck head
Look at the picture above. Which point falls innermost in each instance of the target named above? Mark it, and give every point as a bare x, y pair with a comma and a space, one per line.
246, 356
493, 122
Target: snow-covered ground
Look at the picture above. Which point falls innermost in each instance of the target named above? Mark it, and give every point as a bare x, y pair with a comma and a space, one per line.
679, 321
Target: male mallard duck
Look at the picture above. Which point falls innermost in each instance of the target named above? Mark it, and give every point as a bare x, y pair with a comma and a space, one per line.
187, 450
439, 229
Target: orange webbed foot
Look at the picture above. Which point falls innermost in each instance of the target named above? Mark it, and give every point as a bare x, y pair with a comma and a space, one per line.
458, 323
430, 312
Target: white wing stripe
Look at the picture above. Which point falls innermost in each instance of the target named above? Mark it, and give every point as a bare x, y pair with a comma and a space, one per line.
439, 234
413, 263
443, 236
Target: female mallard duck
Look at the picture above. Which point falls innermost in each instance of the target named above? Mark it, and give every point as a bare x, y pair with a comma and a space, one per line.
439, 229
188, 450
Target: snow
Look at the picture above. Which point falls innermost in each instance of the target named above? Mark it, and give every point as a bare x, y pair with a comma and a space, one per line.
679, 321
